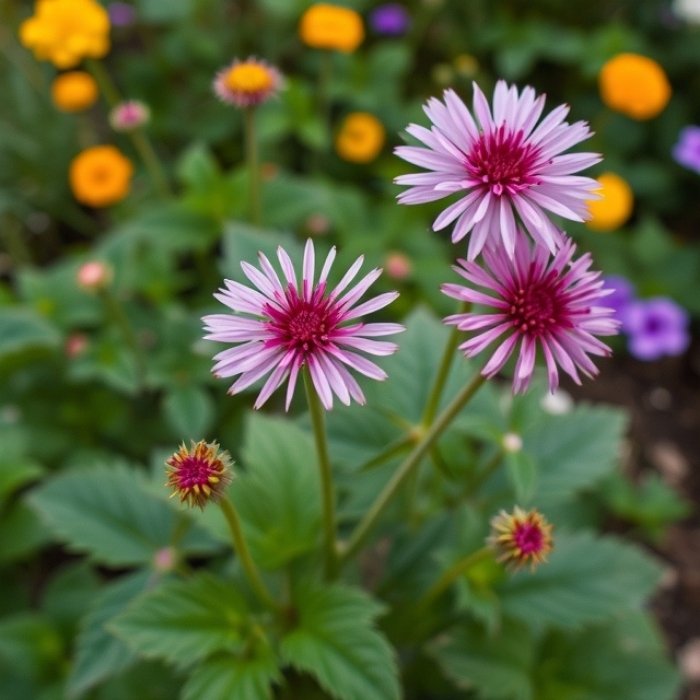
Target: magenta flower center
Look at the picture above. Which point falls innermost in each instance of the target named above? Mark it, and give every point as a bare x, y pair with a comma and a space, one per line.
193, 471
502, 163
303, 325
528, 538
537, 307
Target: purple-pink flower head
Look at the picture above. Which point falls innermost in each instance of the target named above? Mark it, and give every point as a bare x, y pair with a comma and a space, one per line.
656, 327
536, 301
687, 150
507, 167
281, 325
390, 19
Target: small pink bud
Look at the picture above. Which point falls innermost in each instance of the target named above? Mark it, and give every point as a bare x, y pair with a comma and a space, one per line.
129, 115
75, 345
165, 559
398, 265
94, 275
318, 224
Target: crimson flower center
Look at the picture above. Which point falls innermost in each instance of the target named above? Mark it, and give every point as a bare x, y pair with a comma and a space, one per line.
528, 538
536, 308
502, 162
193, 471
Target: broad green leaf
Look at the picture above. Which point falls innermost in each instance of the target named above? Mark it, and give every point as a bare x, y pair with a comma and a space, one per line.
189, 411
522, 471
68, 592
100, 655
498, 666
586, 580
335, 641
622, 659
247, 678
29, 645
22, 330
278, 497
185, 621
573, 451
15, 473
109, 514
21, 532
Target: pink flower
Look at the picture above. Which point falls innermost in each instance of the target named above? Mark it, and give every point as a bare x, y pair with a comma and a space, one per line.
129, 115
505, 168
537, 301
286, 325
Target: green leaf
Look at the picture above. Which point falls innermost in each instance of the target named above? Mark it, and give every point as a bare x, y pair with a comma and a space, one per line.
21, 532
498, 666
573, 451
100, 655
586, 580
522, 471
22, 330
190, 411
185, 621
278, 497
109, 514
15, 473
248, 678
336, 642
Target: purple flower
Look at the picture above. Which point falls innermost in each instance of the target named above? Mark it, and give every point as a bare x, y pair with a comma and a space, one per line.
622, 294
656, 327
504, 168
121, 14
278, 327
686, 152
538, 302
391, 19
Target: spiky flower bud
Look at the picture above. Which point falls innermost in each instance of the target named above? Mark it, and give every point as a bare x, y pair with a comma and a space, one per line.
521, 538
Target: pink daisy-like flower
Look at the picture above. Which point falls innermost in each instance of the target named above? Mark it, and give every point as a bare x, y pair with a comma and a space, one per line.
286, 325
247, 83
505, 167
537, 301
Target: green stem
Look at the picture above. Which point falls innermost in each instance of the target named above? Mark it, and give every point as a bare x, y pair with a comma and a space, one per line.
119, 316
391, 450
239, 544
444, 367
145, 149
251, 151
408, 466
450, 575
327, 493
138, 137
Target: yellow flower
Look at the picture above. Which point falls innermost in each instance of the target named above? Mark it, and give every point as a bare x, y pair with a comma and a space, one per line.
74, 91
325, 26
634, 85
360, 138
614, 207
66, 31
100, 176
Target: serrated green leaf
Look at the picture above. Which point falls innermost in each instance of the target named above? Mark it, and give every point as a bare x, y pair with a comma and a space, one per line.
278, 497
99, 654
586, 580
185, 621
336, 642
248, 678
109, 514
497, 665
573, 451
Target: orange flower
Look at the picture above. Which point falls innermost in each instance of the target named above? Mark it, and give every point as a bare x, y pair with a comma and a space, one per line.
615, 205
66, 31
100, 176
74, 91
325, 26
634, 85
361, 138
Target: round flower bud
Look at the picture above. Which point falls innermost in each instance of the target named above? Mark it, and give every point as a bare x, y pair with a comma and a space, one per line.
325, 26
615, 205
129, 115
94, 275
361, 138
521, 538
100, 176
74, 91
